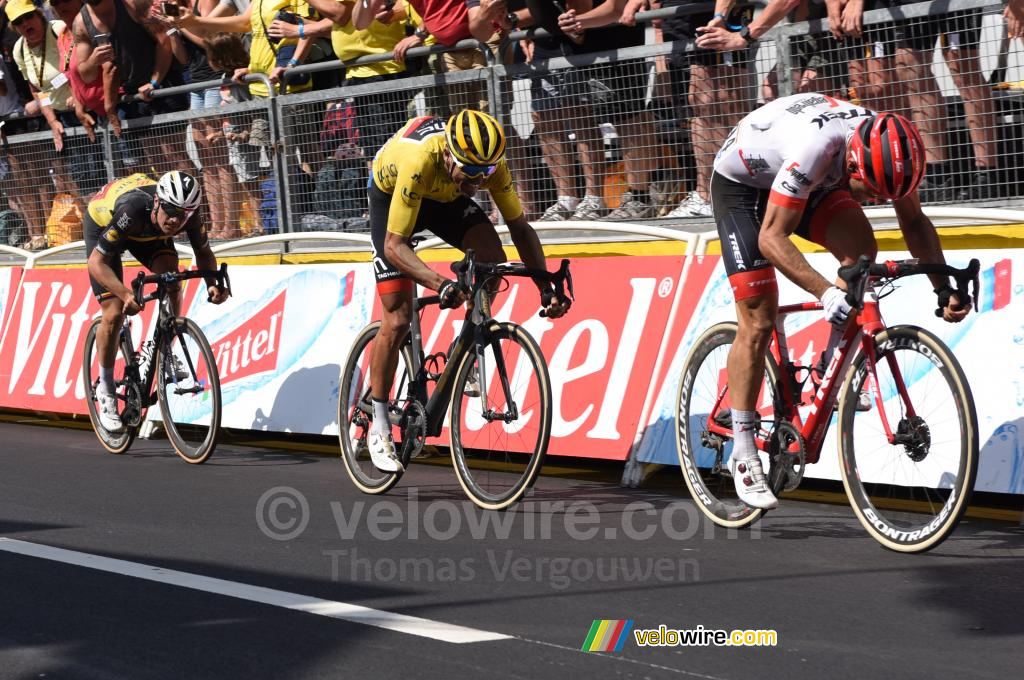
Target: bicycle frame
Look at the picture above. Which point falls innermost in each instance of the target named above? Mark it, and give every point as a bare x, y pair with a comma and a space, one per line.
470, 335
860, 330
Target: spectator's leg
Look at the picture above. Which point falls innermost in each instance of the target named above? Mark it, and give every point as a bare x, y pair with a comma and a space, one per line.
924, 108
965, 68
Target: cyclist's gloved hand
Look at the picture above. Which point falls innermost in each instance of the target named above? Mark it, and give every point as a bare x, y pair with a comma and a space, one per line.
216, 294
837, 309
949, 306
451, 294
553, 305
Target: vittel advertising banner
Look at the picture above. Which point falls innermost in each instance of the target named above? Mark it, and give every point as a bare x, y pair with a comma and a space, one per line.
9, 278
989, 345
600, 355
41, 349
279, 343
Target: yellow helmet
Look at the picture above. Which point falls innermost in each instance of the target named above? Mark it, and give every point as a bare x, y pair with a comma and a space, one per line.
475, 138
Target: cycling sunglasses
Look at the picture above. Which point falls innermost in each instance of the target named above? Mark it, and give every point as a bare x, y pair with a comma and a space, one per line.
474, 171
175, 211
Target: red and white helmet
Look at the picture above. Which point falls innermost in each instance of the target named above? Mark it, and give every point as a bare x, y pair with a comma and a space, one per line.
888, 155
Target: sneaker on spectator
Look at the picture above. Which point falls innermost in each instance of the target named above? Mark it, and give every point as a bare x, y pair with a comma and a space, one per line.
631, 209
663, 194
591, 208
693, 206
935, 190
557, 212
982, 185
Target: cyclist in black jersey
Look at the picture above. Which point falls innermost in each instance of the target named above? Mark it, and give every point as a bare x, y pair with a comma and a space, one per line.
141, 216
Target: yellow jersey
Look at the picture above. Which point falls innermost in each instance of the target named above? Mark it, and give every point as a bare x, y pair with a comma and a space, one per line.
410, 167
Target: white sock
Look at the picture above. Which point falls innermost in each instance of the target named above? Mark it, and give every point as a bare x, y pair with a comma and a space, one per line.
594, 198
568, 202
744, 425
107, 378
380, 417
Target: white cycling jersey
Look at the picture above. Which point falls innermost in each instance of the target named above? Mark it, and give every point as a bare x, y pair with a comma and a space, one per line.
792, 146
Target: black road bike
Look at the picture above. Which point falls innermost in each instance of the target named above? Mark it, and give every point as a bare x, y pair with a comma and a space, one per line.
179, 357
494, 379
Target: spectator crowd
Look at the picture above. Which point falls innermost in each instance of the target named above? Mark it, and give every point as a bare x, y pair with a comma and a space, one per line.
620, 139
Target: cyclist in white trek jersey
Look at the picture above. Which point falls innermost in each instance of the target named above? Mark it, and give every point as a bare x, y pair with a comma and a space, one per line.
802, 165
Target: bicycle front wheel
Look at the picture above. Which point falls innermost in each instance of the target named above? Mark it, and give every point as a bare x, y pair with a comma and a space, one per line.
355, 412
188, 388
500, 416
703, 455
128, 397
908, 492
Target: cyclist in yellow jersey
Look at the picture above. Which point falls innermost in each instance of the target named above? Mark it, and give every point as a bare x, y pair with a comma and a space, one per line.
141, 216
424, 177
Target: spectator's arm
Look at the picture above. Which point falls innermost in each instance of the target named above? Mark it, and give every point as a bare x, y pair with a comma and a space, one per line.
364, 11
338, 11
722, 9
310, 29
717, 37
835, 17
90, 59
235, 23
484, 16
594, 17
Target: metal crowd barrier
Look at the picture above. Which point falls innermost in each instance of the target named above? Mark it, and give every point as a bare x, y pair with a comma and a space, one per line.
636, 125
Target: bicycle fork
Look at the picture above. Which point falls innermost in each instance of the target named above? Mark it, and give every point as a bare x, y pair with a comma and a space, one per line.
489, 414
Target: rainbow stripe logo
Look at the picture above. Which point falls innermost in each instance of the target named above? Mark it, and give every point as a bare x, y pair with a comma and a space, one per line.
607, 636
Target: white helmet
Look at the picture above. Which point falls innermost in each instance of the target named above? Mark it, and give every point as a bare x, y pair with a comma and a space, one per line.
180, 190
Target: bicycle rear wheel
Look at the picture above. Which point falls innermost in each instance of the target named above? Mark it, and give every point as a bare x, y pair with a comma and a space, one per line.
704, 456
128, 396
355, 412
500, 416
909, 495
188, 388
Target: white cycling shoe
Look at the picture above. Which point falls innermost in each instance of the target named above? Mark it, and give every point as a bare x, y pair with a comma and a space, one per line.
110, 419
382, 452
751, 485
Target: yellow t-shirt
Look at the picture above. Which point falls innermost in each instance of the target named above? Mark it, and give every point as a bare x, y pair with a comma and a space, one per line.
410, 167
261, 55
377, 38
41, 65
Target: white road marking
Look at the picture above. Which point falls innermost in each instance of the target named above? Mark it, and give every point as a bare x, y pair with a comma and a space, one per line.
354, 613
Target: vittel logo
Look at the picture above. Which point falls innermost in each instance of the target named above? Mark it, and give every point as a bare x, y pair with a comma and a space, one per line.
252, 347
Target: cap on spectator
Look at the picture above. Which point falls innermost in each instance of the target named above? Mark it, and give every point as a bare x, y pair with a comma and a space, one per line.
17, 8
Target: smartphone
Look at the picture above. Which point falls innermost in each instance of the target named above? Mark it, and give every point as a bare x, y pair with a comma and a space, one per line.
170, 9
287, 17
101, 39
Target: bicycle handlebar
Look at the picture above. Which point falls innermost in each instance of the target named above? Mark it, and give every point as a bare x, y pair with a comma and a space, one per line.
471, 275
857, 276
223, 282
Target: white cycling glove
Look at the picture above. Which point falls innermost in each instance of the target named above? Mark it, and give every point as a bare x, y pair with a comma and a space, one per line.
837, 309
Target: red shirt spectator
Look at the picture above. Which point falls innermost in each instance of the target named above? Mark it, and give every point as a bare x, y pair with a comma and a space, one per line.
447, 20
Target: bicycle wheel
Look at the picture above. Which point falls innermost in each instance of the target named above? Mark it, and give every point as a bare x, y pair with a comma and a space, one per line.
127, 393
498, 445
355, 412
703, 456
909, 495
188, 388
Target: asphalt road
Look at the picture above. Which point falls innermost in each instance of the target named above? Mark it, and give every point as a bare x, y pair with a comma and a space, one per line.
204, 583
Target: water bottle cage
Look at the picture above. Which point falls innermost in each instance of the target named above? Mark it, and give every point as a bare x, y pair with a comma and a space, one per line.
434, 364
